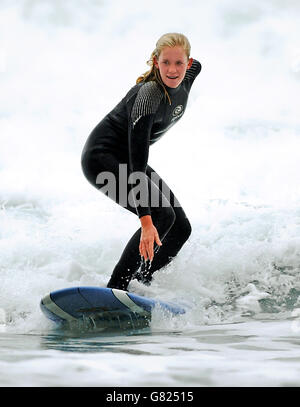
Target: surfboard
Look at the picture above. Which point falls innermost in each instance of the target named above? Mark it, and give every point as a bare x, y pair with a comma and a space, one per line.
102, 307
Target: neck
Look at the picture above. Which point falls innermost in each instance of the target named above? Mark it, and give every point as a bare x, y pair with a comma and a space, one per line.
172, 91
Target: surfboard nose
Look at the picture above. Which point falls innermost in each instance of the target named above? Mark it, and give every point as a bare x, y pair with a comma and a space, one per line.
101, 304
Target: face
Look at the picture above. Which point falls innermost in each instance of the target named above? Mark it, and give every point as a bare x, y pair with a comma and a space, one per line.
173, 64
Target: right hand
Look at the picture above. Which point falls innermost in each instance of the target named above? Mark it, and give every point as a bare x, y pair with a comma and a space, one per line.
149, 235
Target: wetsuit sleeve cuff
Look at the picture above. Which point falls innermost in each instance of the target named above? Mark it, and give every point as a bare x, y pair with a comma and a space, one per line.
143, 211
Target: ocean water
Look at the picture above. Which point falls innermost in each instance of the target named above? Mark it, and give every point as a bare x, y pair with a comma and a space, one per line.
233, 161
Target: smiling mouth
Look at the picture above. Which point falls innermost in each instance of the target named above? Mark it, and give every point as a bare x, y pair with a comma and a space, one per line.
172, 77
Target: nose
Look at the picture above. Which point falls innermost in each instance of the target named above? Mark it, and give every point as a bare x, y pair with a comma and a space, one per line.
172, 69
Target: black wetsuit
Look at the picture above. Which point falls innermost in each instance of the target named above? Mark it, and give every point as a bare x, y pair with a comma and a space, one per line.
123, 138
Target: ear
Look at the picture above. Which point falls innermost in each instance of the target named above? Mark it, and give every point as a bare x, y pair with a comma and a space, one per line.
190, 63
155, 62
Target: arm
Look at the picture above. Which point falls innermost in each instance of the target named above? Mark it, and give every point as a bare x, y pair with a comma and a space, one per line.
193, 72
140, 125
139, 141
140, 121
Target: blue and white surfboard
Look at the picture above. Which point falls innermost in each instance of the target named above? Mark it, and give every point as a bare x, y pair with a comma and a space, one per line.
102, 306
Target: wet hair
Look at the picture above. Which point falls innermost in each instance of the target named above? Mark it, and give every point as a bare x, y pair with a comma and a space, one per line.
166, 40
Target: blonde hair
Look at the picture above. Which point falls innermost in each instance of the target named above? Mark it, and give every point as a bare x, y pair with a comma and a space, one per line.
166, 40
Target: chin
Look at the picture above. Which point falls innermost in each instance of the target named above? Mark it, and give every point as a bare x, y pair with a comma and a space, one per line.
172, 84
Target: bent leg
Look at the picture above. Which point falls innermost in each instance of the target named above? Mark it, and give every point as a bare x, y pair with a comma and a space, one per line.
176, 237
163, 219
163, 215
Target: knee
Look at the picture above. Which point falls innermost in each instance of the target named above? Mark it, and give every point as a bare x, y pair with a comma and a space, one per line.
182, 229
186, 229
89, 167
85, 160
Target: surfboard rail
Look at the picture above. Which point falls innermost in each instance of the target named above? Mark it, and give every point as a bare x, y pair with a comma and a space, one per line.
99, 305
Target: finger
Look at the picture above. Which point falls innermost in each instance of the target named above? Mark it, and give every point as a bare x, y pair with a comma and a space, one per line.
146, 251
143, 250
157, 239
150, 251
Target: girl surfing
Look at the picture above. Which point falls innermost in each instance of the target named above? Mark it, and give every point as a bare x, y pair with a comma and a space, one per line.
115, 157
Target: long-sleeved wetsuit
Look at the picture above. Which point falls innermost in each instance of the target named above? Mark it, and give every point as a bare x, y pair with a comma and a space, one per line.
119, 145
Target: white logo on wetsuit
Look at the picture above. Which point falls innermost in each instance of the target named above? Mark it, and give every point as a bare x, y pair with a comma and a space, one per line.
177, 112
178, 109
